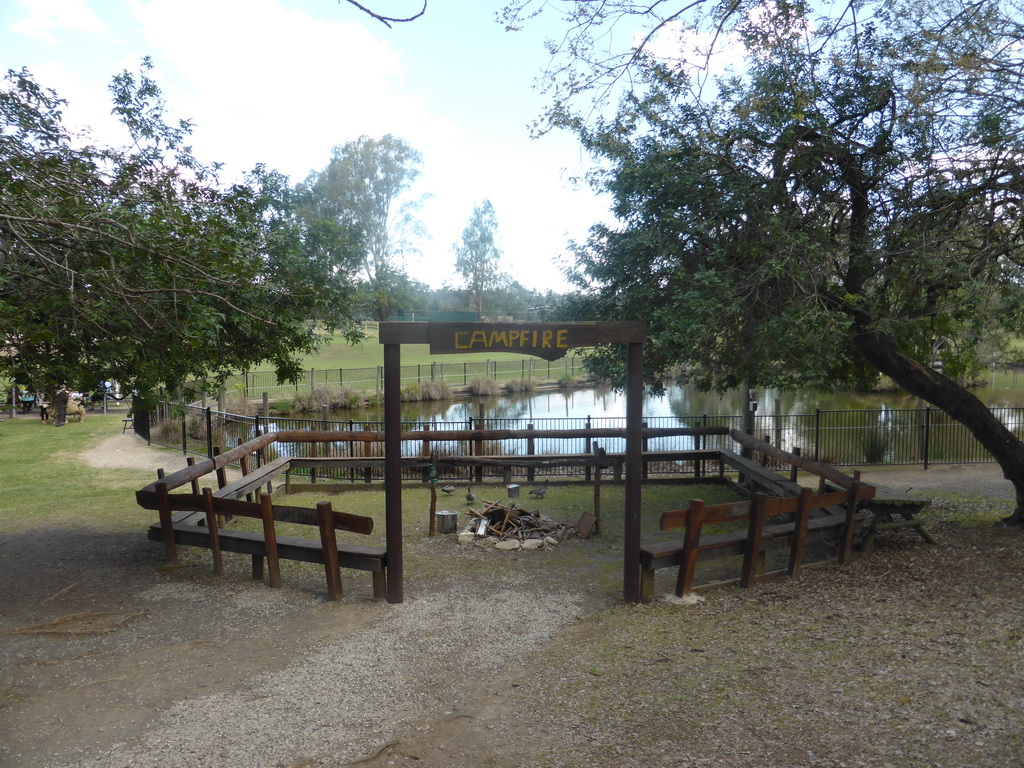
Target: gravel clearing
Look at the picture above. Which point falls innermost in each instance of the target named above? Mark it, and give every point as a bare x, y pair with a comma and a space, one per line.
911, 656
345, 700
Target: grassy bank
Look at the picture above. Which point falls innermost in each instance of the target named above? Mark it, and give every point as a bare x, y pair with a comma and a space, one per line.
47, 483
369, 353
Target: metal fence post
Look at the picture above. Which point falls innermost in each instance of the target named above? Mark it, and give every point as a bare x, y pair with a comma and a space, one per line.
209, 433
531, 449
817, 432
927, 433
589, 448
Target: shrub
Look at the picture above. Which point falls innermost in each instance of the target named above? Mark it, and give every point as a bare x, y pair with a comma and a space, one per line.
435, 390
195, 426
241, 406
427, 391
333, 398
518, 386
344, 397
874, 445
168, 431
484, 386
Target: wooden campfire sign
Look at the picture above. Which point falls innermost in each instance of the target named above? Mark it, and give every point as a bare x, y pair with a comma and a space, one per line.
549, 341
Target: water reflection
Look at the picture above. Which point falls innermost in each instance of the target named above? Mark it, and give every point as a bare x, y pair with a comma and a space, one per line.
1003, 389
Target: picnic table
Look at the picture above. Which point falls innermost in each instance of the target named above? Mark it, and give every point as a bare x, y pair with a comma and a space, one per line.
892, 509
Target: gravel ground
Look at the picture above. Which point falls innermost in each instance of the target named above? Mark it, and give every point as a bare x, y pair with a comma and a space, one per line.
910, 656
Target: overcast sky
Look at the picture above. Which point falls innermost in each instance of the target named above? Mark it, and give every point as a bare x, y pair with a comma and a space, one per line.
281, 82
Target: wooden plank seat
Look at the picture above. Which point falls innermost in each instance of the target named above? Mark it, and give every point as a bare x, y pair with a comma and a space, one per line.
759, 477
190, 527
252, 480
839, 520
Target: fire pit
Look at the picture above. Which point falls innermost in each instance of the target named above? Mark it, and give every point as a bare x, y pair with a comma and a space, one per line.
508, 526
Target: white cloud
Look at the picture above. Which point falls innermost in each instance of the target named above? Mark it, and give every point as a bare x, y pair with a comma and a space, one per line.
45, 17
265, 83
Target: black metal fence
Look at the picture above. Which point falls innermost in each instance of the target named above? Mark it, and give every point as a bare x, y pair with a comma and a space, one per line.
841, 438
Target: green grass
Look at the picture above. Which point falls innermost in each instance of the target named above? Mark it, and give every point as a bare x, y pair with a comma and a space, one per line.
47, 483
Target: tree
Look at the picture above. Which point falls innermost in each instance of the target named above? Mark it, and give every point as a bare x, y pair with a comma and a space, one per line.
477, 254
846, 201
361, 190
136, 265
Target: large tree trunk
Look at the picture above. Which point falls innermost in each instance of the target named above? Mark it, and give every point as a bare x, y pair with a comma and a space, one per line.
955, 400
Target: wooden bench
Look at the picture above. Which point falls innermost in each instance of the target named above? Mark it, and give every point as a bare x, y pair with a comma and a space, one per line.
196, 524
757, 476
838, 517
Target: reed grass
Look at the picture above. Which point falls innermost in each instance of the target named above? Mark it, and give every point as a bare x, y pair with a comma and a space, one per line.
484, 386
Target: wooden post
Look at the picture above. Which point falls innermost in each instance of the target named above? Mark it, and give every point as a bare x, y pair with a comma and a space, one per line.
329, 545
222, 475
634, 471
691, 541
433, 509
800, 521
846, 542
393, 470
190, 461
753, 563
211, 526
244, 464
166, 522
270, 539
597, 492
209, 433
425, 447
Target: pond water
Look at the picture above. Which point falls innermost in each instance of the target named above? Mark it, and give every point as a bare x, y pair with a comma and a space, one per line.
1002, 389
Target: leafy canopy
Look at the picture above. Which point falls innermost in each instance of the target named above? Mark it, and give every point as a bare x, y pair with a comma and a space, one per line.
477, 254
362, 195
844, 200
136, 264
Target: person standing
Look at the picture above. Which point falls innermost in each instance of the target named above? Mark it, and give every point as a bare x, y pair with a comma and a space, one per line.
61, 401
44, 407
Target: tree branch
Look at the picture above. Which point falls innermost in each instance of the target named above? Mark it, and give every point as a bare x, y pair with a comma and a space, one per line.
387, 20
